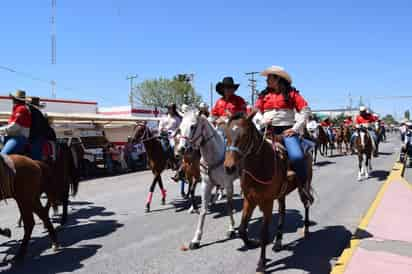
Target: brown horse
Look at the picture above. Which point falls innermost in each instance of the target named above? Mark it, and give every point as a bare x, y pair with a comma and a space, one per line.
191, 169
339, 139
157, 159
264, 178
347, 133
363, 145
323, 141
25, 186
64, 180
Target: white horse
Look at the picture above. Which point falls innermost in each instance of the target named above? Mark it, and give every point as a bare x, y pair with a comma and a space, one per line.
196, 131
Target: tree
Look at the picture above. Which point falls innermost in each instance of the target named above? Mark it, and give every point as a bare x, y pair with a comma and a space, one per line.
389, 119
338, 120
161, 92
407, 115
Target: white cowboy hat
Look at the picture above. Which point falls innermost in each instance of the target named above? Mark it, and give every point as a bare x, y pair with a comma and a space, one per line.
203, 105
408, 123
279, 71
362, 108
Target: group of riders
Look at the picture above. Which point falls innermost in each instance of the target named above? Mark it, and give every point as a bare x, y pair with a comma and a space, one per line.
28, 130
281, 110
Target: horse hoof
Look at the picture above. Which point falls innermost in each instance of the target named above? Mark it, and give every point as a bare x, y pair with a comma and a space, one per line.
193, 246
55, 246
163, 201
231, 234
260, 270
7, 233
305, 233
277, 246
147, 209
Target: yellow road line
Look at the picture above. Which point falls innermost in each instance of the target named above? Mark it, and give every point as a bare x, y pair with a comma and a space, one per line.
347, 254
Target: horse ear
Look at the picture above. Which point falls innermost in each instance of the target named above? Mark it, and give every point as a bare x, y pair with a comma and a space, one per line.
252, 114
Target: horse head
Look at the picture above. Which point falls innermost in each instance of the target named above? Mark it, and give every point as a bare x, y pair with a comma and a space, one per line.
241, 133
190, 131
141, 131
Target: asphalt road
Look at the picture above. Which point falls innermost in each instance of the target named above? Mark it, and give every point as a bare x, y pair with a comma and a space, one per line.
108, 231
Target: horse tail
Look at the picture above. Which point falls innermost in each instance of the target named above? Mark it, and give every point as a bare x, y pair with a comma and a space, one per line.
74, 171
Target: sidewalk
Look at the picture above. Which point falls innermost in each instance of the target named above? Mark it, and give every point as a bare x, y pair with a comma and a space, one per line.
383, 240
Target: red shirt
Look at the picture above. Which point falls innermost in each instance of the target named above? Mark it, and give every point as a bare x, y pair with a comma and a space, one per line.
326, 124
233, 105
272, 100
21, 115
348, 122
365, 119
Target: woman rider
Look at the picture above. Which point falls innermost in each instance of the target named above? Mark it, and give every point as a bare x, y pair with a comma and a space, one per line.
168, 126
279, 102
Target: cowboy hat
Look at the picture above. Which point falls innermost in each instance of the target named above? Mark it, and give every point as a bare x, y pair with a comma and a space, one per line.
362, 108
35, 101
279, 71
227, 82
20, 95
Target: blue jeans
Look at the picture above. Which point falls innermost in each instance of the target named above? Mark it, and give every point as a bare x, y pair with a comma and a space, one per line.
36, 148
330, 135
296, 156
14, 145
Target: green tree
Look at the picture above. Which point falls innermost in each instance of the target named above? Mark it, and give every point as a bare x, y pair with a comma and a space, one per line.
389, 119
338, 120
407, 115
161, 92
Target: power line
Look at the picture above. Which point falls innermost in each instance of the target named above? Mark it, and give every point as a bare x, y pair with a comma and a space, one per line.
131, 78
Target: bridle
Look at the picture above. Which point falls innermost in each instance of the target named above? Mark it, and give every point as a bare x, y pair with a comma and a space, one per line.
146, 134
193, 140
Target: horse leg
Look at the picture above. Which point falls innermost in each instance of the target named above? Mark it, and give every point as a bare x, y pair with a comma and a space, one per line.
182, 189
162, 190
206, 194
229, 205
247, 211
307, 222
193, 206
281, 221
43, 215
360, 166
150, 195
65, 204
28, 223
264, 235
367, 166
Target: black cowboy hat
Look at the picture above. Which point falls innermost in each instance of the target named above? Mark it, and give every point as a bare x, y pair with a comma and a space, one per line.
20, 95
226, 82
35, 101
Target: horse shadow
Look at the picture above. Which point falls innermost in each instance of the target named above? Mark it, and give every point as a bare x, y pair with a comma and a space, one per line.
314, 253
68, 258
293, 222
380, 175
386, 153
324, 163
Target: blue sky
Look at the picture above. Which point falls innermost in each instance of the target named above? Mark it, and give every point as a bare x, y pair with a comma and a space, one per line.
331, 49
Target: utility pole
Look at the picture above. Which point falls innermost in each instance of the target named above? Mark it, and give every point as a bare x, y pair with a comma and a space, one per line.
131, 78
252, 85
53, 43
350, 101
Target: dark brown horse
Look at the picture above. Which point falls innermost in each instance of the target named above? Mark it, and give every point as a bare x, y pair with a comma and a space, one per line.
25, 186
347, 134
339, 139
265, 177
324, 143
364, 147
191, 169
157, 159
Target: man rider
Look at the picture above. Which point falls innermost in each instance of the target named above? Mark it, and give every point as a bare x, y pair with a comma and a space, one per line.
17, 130
407, 143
